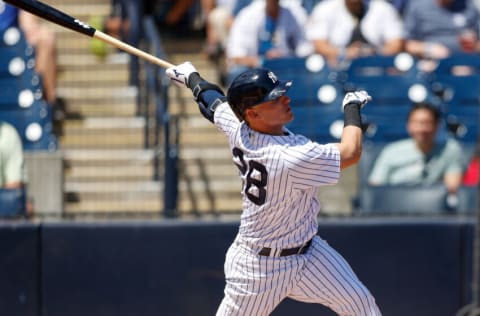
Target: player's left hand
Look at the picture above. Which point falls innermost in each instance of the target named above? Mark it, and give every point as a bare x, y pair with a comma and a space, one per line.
179, 74
357, 97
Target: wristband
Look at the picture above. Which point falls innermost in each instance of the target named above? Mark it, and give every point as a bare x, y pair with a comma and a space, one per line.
194, 79
352, 115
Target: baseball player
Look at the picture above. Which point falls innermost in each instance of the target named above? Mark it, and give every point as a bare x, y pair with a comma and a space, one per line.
277, 253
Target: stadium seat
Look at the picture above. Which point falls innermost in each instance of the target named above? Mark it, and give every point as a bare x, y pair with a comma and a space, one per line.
21, 93
469, 198
16, 60
34, 126
456, 83
406, 199
402, 200
390, 80
12, 36
308, 74
12, 203
395, 83
320, 118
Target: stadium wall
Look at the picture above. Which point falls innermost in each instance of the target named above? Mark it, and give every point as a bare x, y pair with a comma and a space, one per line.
412, 266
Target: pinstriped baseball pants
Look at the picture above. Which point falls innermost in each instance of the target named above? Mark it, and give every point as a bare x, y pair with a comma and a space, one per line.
255, 284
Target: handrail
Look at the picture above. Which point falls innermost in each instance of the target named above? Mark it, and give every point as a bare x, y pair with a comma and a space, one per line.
158, 84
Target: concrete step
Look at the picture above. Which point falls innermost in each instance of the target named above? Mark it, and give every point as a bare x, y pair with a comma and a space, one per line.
105, 188
127, 172
111, 207
75, 2
108, 157
111, 95
91, 125
112, 196
87, 76
100, 108
154, 207
108, 132
87, 60
124, 140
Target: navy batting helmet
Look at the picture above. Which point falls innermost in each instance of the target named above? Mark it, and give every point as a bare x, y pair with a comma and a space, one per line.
253, 87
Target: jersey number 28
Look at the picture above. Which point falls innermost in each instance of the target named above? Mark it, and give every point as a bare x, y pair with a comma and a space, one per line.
250, 181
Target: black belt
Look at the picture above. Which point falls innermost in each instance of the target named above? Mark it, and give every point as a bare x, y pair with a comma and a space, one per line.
288, 251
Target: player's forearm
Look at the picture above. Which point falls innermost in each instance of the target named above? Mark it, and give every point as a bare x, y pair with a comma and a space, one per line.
350, 146
351, 143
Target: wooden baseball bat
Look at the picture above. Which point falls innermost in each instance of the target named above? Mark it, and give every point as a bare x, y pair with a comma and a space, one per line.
58, 17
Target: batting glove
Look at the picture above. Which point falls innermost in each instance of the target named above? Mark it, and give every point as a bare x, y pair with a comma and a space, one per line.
357, 97
179, 74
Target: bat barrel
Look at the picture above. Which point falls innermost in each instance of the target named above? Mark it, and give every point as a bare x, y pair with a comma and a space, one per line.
53, 15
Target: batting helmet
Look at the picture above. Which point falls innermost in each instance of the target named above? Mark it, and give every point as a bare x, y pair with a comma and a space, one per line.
253, 87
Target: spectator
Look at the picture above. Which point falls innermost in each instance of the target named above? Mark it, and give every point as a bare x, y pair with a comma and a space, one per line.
174, 16
436, 29
471, 176
421, 159
12, 173
342, 30
12, 168
399, 5
44, 42
124, 23
219, 18
264, 30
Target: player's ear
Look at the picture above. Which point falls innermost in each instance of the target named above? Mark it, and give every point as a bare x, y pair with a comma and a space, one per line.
251, 114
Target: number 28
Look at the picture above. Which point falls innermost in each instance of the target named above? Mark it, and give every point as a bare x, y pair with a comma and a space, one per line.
250, 181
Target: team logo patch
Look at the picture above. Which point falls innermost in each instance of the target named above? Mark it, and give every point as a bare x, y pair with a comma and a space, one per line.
272, 77
82, 24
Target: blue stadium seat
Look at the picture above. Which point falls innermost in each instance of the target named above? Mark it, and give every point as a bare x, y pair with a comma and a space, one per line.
394, 82
390, 80
320, 118
21, 99
12, 36
400, 199
15, 60
322, 124
20, 93
308, 74
12, 203
415, 200
34, 126
456, 82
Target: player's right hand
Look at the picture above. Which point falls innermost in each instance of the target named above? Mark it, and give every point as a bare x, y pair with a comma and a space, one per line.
357, 97
179, 74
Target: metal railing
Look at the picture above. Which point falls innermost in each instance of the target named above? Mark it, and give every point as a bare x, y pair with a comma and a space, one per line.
165, 126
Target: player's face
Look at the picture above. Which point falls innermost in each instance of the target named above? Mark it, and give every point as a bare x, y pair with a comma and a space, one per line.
270, 117
422, 126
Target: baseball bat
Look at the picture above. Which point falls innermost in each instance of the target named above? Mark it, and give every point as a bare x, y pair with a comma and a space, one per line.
58, 17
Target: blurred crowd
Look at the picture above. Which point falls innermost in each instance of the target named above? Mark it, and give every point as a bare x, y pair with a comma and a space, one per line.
247, 32
242, 34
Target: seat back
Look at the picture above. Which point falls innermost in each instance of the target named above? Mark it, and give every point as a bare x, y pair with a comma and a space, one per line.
402, 200
12, 202
456, 82
407, 199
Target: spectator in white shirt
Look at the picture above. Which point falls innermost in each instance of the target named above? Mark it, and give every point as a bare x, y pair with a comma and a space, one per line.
342, 30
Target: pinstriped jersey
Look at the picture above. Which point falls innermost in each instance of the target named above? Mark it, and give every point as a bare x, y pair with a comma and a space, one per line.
280, 176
